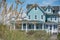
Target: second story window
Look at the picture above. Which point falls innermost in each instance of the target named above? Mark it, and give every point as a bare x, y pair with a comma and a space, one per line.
29, 16
55, 18
55, 26
51, 18
46, 27
41, 16
35, 16
50, 27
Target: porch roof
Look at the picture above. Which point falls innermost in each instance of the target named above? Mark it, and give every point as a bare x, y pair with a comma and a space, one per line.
29, 21
51, 23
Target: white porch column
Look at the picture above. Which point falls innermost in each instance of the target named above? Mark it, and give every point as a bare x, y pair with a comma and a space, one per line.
52, 28
26, 27
14, 26
42, 26
22, 25
34, 26
48, 28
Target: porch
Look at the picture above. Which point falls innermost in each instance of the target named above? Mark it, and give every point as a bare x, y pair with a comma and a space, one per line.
30, 25
35, 25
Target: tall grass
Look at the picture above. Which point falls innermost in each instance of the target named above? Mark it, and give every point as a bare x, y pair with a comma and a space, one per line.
7, 34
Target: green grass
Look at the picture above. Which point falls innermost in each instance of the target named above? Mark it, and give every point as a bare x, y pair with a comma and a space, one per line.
22, 35
7, 34
58, 36
16, 35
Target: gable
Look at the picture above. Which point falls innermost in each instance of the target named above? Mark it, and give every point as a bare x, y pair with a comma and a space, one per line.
49, 10
36, 11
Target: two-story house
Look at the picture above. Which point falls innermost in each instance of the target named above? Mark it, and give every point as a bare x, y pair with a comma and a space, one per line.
38, 18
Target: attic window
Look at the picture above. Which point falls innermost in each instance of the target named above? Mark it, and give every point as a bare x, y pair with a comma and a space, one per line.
48, 10
53, 11
35, 8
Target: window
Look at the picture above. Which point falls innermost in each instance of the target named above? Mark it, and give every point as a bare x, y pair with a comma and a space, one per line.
35, 8
50, 27
46, 27
38, 26
41, 16
29, 16
24, 26
55, 18
55, 26
51, 18
30, 26
35, 16
48, 10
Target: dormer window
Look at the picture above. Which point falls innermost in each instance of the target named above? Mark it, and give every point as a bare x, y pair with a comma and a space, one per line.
35, 8
48, 10
35, 16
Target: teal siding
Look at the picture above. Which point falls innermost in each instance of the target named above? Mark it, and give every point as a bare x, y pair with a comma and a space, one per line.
37, 12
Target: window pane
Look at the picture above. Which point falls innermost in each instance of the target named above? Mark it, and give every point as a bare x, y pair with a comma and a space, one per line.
46, 27
51, 18
24, 26
29, 16
35, 16
41, 16
30, 26
55, 26
48, 10
50, 27
38, 26
55, 18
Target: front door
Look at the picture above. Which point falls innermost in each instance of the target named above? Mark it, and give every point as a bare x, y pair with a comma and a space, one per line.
24, 26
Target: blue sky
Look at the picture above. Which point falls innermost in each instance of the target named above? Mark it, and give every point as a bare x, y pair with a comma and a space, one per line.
39, 2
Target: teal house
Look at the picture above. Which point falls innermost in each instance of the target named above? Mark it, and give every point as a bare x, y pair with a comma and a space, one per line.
41, 18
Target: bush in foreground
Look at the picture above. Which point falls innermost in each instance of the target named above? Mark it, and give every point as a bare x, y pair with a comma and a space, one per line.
2, 31
22, 35
58, 36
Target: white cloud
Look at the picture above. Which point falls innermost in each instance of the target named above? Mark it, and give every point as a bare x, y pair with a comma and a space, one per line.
48, 2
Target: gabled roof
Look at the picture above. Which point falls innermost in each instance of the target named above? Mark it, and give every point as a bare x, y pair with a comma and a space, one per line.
55, 9
50, 7
34, 6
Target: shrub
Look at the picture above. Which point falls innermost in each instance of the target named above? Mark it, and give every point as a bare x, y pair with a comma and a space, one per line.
41, 35
2, 31
58, 36
30, 32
